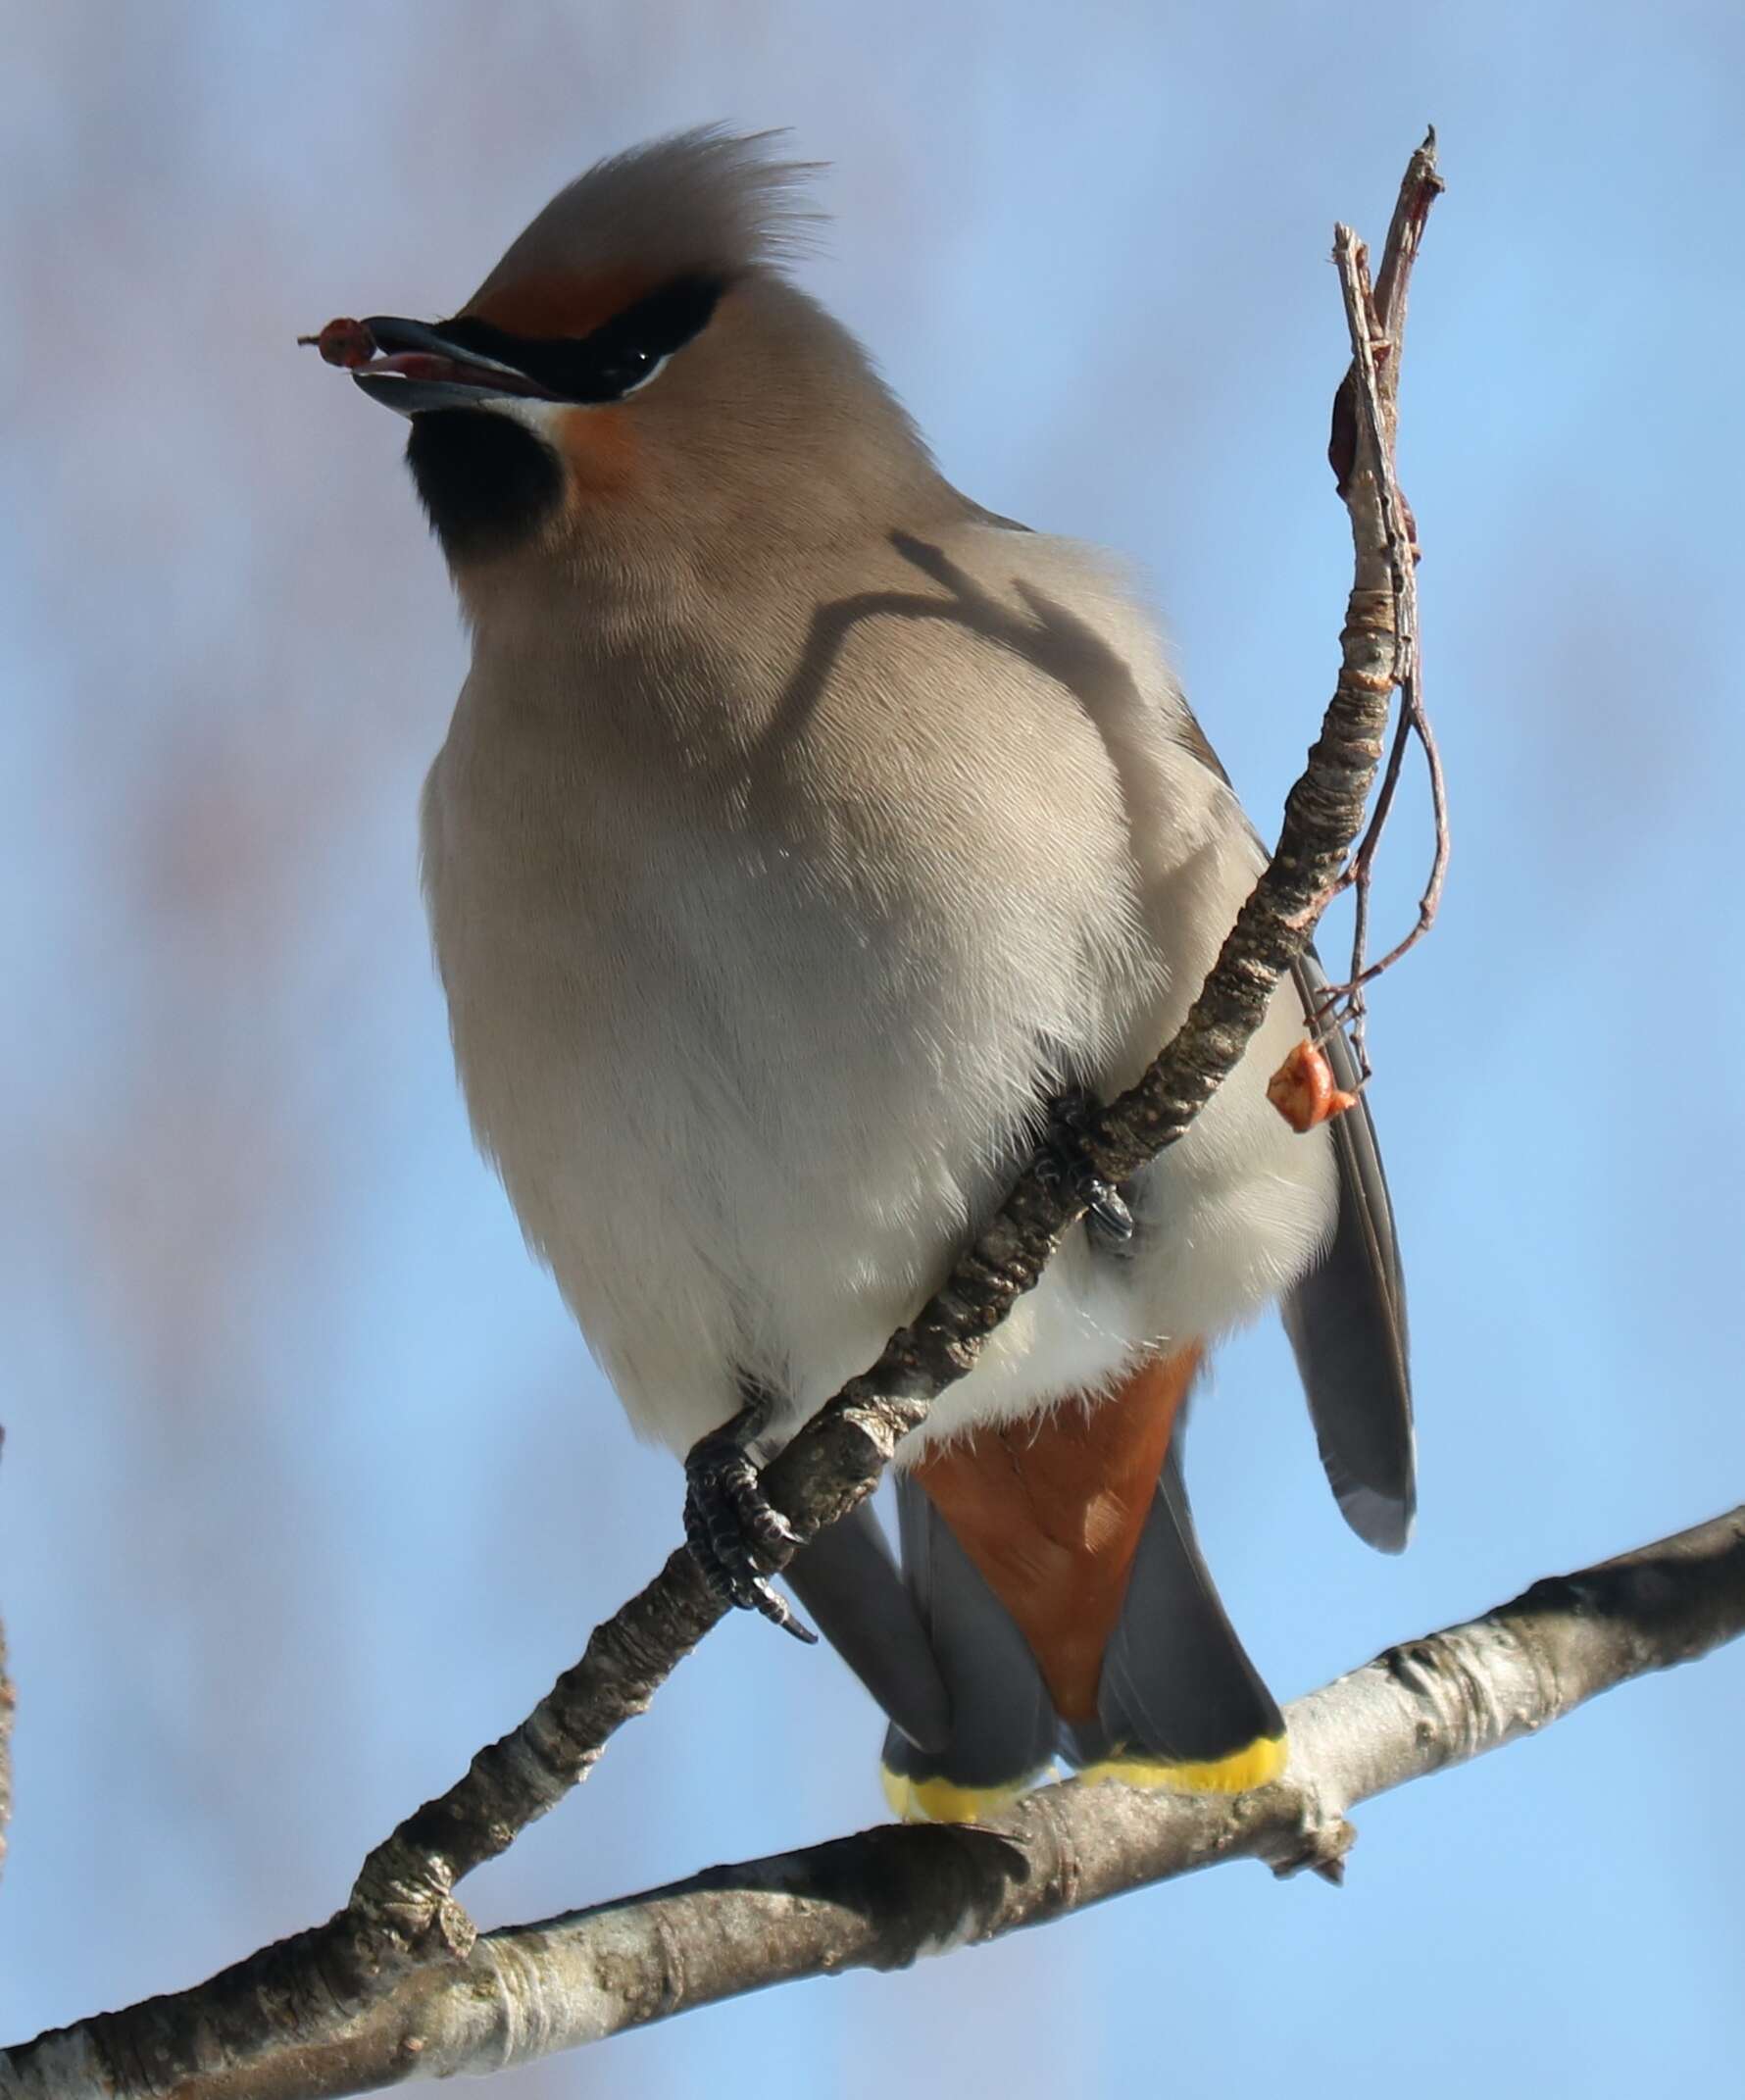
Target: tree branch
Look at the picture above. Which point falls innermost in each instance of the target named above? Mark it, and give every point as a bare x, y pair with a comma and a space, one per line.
887, 1897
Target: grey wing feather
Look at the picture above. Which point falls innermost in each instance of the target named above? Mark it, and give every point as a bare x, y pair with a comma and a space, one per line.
1346, 1320
848, 1581
1003, 1726
1178, 1685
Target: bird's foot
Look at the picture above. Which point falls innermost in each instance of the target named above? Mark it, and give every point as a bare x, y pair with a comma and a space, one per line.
1107, 1218
736, 1535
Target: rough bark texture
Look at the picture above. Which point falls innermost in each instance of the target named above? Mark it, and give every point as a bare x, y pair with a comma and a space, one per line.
888, 1896
1393, 284
403, 1911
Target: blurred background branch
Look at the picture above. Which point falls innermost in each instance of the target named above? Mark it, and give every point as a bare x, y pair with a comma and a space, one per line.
8, 1703
7, 1700
888, 1896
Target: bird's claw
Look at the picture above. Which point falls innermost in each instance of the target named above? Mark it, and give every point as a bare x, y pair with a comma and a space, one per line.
1106, 1214
1107, 1217
737, 1534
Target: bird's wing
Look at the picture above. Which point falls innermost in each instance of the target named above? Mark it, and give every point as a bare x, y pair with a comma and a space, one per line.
1346, 1319
848, 1580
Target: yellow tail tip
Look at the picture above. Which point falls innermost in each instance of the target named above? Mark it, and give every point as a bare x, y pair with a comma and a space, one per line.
942, 1801
1257, 1765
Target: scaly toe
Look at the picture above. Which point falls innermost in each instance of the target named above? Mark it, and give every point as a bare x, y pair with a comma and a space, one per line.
736, 1536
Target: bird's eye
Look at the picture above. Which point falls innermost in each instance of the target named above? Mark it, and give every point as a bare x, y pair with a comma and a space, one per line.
627, 369
626, 352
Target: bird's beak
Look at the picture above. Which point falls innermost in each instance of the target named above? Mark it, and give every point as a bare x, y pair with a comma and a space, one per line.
411, 368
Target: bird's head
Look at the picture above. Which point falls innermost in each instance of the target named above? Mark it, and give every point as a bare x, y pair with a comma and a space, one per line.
636, 382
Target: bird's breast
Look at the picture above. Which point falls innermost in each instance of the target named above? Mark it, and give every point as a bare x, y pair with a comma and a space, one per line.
756, 1011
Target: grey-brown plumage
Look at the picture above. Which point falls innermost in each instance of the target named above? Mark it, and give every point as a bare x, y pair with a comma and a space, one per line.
803, 831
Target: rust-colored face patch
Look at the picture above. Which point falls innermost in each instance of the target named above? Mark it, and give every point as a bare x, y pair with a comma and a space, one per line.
600, 450
558, 303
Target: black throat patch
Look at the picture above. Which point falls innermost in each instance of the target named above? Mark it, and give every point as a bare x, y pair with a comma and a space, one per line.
487, 481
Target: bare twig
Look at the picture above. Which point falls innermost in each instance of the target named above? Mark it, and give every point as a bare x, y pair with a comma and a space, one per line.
884, 1898
1387, 320
402, 1910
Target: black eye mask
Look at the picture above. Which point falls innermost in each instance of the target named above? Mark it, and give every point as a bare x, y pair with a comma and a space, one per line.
616, 358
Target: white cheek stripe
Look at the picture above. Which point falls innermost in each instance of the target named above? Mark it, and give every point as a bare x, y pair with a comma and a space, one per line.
542, 418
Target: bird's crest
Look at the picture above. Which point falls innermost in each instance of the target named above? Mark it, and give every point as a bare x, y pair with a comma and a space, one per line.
703, 203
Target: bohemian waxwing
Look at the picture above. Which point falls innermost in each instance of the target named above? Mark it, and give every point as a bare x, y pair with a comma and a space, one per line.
804, 836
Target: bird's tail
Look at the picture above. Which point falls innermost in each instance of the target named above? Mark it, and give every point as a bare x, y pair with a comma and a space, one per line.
1179, 1703
1002, 1730
1052, 1601
1054, 1569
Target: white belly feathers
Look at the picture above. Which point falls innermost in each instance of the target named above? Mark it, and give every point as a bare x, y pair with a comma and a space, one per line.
755, 1051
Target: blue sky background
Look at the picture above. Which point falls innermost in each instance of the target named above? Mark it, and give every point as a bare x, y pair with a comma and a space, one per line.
309, 1485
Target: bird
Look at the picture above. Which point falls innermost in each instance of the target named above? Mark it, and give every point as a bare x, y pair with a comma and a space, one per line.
808, 847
